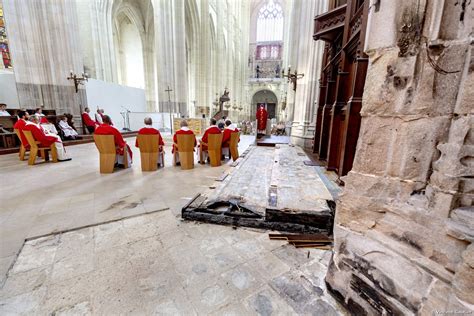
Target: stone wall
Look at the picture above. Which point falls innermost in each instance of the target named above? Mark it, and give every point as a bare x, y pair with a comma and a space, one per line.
405, 221
44, 42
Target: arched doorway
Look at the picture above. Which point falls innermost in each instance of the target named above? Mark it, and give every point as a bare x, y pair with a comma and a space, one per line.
268, 99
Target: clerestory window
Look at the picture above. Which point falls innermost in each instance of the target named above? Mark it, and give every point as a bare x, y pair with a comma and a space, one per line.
270, 22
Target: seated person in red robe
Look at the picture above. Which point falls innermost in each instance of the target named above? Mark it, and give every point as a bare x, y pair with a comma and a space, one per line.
149, 130
213, 129
23, 116
184, 130
120, 144
46, 140
88, 121
228, 130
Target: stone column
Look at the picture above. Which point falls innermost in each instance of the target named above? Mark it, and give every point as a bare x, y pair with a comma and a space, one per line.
170, 50
405, 221
305, 56
45, 46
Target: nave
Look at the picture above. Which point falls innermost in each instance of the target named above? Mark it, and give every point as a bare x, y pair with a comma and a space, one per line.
134, 253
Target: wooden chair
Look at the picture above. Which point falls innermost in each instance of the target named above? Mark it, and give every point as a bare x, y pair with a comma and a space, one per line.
22, 147
214, 149
234, 145
106, 146
44, 151
185, 151
149, 148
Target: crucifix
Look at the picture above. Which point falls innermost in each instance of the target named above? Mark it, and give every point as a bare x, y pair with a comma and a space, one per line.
169, 107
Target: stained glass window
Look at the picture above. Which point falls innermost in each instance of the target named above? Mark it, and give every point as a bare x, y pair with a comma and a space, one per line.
270, 22
4, 50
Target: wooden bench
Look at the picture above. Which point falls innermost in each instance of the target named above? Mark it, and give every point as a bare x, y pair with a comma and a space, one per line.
214, 149
35, 149
149, 146
22, 147
106, 146
234, 145
185, 151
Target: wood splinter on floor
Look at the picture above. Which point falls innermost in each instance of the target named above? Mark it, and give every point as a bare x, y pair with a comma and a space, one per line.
317, 241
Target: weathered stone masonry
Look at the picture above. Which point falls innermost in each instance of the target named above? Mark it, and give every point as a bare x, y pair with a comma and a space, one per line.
405, 222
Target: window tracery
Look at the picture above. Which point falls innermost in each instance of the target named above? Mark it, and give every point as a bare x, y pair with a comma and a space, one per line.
270, 22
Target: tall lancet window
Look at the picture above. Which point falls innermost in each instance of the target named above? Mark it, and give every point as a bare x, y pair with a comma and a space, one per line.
270, 22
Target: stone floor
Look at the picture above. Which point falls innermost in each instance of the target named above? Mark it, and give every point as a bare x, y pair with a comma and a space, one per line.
144, 259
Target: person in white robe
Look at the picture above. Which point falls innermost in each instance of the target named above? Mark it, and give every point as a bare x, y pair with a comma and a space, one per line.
69, 132
3, 110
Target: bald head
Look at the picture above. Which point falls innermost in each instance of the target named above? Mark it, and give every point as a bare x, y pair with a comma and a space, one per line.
148, 121
183, 123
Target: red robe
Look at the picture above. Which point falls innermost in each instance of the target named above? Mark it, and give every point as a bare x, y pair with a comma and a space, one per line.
226, 135
39, 135
213, 129
19, 125
262, 117
87, 119
182, 132
105, 129
43, 119
150, 131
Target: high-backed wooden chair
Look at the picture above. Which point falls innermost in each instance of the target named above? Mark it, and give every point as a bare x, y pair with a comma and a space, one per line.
234, 145
35, 148
106, 146
214, 149
149, 148
185, 151
22, 147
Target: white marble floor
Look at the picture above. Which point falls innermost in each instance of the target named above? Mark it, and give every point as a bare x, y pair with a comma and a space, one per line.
48, 197
147, 264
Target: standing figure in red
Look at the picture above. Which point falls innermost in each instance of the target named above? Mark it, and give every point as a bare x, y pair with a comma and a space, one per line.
262, 116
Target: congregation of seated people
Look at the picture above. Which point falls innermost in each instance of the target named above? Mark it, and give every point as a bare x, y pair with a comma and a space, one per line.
48, 134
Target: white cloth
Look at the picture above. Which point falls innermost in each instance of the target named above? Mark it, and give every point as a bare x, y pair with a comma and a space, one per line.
68, 130
231, 127
62, 154
49, 129
4, 113
98, 118
119, 158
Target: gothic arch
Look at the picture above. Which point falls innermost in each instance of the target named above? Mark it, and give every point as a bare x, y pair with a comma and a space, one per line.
267, 96
133, 33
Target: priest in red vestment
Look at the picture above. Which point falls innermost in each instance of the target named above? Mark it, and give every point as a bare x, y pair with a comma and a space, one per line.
88, 121
213, 129
23, 116
120, 144
184, 130
262, 117
46, 140
149, 130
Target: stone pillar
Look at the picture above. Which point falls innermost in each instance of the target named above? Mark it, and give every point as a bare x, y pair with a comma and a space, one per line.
405, 221
170, 50
45, 46
305, 57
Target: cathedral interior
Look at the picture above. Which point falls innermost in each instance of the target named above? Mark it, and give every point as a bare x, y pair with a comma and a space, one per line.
332, 171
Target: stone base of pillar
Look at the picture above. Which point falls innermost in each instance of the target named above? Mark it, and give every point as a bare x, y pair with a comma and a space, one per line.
63, 99
302, 134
